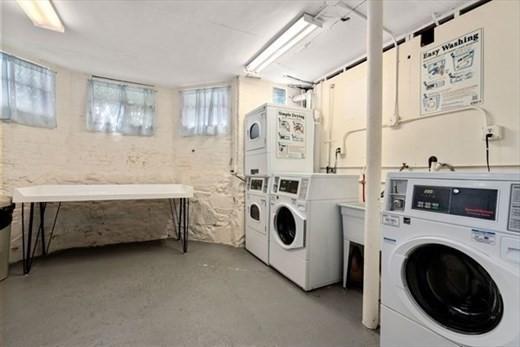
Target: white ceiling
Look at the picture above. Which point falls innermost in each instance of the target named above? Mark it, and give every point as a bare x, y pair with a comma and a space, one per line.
180, 43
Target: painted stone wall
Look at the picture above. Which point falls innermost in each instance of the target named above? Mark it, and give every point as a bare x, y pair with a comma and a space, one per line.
70, 154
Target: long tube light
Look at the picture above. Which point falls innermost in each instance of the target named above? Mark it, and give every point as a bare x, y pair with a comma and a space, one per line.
42, 14
300, 29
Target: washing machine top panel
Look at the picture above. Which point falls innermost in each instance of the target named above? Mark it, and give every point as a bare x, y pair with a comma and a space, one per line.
310, 187
480, 201
257, 185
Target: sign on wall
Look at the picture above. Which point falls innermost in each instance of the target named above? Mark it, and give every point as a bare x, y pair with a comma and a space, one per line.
290, 135
451, 74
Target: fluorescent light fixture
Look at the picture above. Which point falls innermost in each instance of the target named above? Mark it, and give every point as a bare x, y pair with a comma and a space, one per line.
42, 14
300, 29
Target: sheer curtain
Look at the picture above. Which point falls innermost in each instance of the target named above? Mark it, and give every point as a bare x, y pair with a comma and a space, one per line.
120, 108
28, 93
205, 111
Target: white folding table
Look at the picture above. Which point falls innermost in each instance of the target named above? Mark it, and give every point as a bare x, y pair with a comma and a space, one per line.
44, 194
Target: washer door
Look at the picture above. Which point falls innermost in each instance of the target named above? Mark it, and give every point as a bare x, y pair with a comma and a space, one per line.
255, 131
289, 227
256, 213
453, 289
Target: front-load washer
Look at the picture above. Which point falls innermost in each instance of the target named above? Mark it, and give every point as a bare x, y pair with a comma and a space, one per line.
305, 226
451, 260
257, 216
278, 139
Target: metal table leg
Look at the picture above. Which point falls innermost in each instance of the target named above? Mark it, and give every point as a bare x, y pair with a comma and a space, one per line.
28, 250
186, 224
27, 247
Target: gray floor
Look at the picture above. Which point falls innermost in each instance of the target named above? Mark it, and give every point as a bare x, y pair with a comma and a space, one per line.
149, 294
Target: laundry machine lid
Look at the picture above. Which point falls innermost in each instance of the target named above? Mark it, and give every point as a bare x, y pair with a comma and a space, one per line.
453, 289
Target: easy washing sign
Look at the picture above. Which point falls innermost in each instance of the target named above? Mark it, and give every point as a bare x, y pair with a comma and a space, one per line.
451, 74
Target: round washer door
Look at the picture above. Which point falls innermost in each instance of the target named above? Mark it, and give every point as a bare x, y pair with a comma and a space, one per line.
453, 289
289, 227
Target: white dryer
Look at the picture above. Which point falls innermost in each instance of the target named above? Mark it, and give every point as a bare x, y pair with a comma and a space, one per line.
257, 216
306, 238
278, 139
451, 260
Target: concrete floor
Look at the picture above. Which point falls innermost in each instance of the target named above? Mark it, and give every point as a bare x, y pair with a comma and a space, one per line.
149, 294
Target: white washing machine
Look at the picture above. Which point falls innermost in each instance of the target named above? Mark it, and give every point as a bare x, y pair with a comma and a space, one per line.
278, 139
257, 216
306, 238
451, 260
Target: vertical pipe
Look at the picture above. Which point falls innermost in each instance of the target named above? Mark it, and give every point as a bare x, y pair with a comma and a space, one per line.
331, 124
373, 158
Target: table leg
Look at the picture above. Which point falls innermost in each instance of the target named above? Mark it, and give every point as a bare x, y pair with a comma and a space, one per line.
43, 206
186, 224
28, 250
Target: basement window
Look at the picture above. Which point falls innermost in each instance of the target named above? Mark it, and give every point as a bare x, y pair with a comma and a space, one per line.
205, 111
28, 93
114, 107
279, 96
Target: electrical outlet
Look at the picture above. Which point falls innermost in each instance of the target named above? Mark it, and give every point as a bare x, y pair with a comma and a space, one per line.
494, 130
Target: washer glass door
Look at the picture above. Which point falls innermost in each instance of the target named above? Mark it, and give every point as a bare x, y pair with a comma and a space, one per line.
285, 225
453, 289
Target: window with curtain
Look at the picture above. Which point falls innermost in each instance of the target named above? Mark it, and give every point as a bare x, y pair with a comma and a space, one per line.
205, 111
279, 96
28, 93
120, 108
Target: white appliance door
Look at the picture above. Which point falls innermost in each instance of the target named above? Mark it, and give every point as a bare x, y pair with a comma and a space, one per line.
255, 127
453, 286
256, 210
288, 226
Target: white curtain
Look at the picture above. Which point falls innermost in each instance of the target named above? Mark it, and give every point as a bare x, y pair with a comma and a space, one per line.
28, 93
205, 111
120, 108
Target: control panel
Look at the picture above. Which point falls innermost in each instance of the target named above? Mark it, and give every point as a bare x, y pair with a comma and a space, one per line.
257, 184
514, 209
397, 195
466, 202
288, 186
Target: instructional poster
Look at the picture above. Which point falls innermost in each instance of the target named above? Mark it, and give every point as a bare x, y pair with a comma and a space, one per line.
291, 135
451, 75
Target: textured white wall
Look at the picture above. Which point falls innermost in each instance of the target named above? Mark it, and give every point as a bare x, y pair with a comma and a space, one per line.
454, 138
70, 154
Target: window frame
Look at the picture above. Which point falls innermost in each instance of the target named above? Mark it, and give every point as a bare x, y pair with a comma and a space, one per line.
205, 129
122, 101
285, 96
17, 115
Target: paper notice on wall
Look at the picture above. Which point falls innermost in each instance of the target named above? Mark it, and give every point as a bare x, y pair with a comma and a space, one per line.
290, 135
451, 75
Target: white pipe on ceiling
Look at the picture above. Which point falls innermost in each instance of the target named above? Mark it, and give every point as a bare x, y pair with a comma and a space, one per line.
373, 158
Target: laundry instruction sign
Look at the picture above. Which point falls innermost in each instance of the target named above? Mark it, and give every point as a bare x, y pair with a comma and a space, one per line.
290, 135
451, 74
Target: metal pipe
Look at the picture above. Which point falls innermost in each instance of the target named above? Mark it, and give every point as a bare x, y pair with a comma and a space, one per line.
331, 124
373, 156
483, 111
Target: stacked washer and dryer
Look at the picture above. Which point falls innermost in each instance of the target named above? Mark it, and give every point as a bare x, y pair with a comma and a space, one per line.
292, 222
451, 260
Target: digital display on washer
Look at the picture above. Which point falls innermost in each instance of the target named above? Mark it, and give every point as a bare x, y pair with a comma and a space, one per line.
466, 202
434, 199
256, 184
289, 186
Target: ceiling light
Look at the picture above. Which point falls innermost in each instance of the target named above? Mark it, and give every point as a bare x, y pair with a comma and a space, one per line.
300, 29
42, 14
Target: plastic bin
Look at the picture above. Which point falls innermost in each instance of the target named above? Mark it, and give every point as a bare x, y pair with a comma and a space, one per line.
6, 217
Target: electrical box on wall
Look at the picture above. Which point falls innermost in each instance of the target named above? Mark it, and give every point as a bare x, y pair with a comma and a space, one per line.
494, 132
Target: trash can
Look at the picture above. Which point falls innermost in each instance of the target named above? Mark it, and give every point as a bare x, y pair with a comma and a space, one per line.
6, 217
